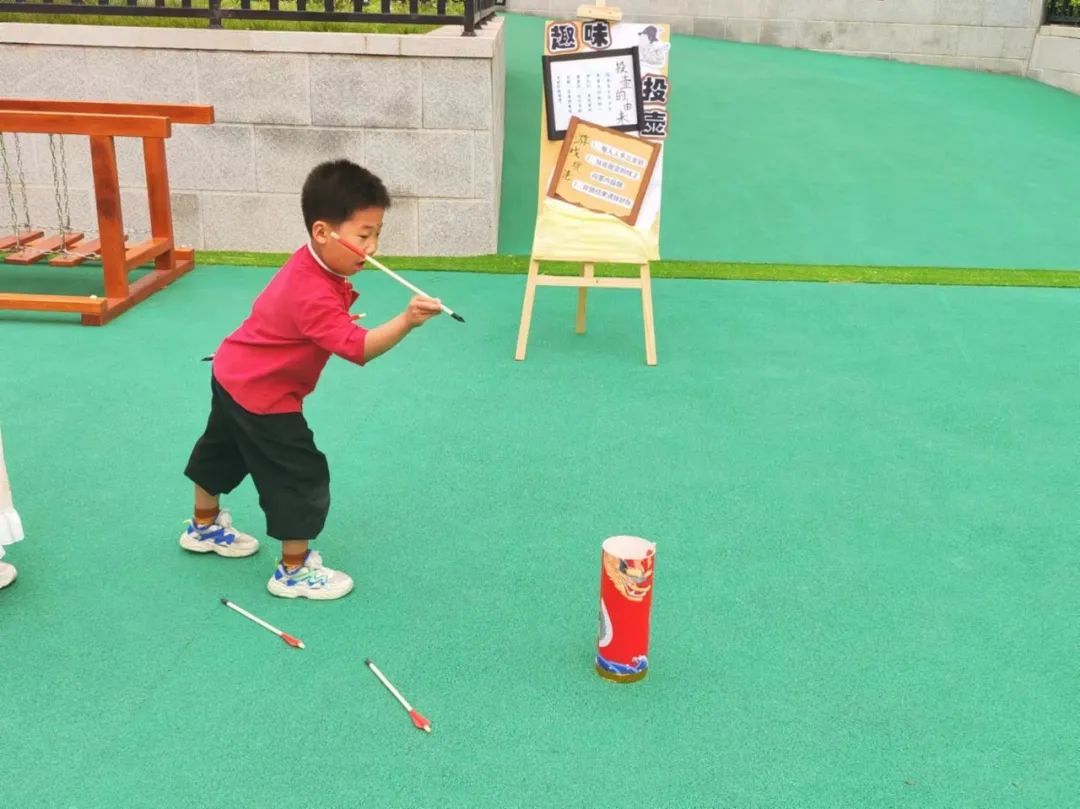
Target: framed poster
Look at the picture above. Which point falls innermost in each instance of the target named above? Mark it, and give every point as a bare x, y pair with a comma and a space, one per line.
604, 170
602, 87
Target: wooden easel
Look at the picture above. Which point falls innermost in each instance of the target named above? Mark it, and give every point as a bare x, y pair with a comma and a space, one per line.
588, 280
102, 123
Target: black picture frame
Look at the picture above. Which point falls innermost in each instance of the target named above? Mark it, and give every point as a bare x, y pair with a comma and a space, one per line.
549, 101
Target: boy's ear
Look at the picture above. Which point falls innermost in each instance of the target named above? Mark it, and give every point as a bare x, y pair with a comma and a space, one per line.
320, 232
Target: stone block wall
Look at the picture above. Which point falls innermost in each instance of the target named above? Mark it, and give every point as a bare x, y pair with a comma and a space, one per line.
424, 112
1056, 59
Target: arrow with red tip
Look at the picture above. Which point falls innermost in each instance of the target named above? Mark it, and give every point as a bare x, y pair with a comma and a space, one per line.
372, 260
296, 643
417, 718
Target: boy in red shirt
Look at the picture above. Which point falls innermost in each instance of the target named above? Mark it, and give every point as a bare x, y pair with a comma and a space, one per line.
263, 371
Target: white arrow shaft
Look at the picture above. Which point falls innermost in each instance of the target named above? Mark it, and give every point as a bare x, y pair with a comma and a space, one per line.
251, 617
405, 283
390, 687
378, 264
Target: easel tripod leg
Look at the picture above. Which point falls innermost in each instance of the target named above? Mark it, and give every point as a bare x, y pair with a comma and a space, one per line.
647, 315
527, 310
582, 298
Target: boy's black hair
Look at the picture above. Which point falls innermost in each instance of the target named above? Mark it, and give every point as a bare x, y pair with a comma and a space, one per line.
337, 189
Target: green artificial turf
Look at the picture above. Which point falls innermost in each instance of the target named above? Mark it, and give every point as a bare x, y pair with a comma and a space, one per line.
780, 156
863, 499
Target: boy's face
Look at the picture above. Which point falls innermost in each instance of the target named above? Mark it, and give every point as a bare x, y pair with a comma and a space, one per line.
361, 229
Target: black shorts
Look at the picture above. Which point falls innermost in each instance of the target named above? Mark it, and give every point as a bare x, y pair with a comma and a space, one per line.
278, 451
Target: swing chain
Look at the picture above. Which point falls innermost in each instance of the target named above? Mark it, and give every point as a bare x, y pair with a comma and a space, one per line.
22, 183
64, 183
56, 192
9, 187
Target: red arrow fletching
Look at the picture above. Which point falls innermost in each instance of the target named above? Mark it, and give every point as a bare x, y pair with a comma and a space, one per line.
296, 643
420, 721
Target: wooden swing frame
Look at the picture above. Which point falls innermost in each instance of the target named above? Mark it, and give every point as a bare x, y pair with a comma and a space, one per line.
102, 123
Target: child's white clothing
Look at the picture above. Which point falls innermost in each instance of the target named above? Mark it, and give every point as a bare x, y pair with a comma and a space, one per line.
11, 530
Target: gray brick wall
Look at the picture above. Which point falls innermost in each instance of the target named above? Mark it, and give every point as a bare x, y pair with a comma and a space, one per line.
425, 113
1056, 59
994, 35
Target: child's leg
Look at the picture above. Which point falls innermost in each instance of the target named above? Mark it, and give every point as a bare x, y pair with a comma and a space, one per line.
293, 481
215, 466
294, 552
207, 506
302, 574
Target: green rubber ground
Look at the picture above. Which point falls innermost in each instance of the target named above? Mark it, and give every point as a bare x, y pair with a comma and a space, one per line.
791, 157
864, 499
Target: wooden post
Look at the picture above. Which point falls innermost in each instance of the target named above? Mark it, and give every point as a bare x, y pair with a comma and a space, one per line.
159, 199
110, 219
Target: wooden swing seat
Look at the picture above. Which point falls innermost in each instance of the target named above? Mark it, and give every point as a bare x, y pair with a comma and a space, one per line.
36, 250
8, 242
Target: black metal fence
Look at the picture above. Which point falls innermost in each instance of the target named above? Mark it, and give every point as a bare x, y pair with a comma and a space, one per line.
470, 14
1063, 12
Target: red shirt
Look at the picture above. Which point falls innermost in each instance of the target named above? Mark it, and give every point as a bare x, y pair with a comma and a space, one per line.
274, 359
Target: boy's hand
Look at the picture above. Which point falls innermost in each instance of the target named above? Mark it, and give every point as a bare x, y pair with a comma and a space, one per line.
421, 310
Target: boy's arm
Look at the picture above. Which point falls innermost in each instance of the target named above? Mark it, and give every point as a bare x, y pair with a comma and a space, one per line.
382, 338
324, 321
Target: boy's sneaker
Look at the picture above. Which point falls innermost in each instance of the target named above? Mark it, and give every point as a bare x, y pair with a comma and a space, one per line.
311, 580
219, 537
7, 574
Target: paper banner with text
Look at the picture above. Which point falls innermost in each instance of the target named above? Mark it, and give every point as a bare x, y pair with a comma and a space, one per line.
611, 79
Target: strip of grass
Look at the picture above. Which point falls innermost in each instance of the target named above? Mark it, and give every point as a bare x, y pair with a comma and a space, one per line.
519, 265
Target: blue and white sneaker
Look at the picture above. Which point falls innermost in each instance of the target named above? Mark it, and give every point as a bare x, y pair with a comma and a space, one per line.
220, 538
311, 580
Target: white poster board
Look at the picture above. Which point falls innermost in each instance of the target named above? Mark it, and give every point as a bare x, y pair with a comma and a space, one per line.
601, 87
